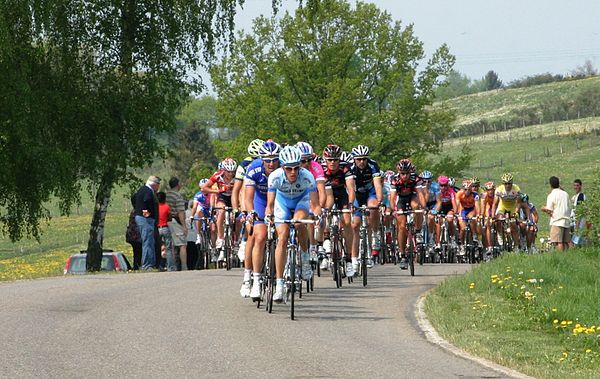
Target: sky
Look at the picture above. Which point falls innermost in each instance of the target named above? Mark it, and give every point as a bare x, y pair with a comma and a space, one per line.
515, 38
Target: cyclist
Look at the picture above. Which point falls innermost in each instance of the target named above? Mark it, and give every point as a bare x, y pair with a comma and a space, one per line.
404, 196
256, 182
201, 207
369, 192
467, 201
237, 197
506, 202
307, 161
430, 190
224, 179
339, 188
291, 193
445, 206
487, 203
528, 225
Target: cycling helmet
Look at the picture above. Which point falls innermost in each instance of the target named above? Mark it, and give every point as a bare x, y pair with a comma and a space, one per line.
347, 157
269, 149
525, 198
442, 180
489, 186
475, 181
451, 181
332, 152
507, 178
202, 182
290, 156
254, 147
220, 166
229, 164
467, 183
426, 175
360, 151
388, 175
305, 149
405, 165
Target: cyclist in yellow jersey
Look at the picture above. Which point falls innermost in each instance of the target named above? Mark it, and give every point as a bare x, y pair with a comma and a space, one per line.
507, 201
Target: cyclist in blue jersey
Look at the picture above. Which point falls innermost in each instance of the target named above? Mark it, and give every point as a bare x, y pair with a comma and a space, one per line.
201, 207
237, 195
369, 192
256, 180
292, 193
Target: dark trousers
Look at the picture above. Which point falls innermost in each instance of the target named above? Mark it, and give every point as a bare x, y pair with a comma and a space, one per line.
137, 254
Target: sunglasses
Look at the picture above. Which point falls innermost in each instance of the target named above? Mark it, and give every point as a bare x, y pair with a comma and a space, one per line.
332, 159
443, 185
360, 159
404, 173
270, 160
305, 161
291, 169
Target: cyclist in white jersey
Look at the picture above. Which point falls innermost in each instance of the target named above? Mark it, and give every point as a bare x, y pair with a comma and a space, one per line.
291, 193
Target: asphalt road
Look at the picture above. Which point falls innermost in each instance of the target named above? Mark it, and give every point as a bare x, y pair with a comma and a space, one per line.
195, 324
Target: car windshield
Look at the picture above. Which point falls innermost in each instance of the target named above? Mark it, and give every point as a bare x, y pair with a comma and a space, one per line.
78, 263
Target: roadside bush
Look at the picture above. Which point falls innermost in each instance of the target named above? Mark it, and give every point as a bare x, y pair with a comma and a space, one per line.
589, 210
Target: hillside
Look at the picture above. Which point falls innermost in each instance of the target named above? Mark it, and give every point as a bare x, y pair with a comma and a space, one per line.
509, 108
567, 149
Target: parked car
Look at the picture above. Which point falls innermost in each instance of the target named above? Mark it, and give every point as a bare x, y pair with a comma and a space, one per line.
111, 261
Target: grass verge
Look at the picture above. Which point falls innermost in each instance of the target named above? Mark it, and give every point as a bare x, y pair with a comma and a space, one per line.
537, 314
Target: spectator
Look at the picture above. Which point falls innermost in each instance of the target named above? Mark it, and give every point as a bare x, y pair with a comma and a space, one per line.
557, 207
164, 213
192, 249
146, 213
578, 225
177, 223
132, 237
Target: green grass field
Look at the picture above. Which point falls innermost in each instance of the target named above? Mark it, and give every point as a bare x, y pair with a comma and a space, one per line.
535, 313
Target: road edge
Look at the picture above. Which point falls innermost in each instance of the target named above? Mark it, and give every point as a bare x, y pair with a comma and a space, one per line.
432, 336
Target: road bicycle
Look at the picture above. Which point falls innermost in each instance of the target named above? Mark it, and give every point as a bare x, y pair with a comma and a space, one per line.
410, 250
205, 245
267, 283
338, 264
228, 233
446, 253
471, 247
293, 271
364, 246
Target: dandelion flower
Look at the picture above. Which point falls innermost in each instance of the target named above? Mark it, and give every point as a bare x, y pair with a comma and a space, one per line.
555, 322
588, 350
553, 309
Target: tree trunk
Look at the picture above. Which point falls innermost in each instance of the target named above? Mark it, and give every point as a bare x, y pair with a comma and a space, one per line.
96, 239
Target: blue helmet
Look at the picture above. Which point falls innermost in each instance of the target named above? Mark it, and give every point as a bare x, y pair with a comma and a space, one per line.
269, 149
305, 149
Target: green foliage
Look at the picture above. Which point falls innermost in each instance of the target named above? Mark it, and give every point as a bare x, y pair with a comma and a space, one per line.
492, 81
457, 84
535, 80
332, 74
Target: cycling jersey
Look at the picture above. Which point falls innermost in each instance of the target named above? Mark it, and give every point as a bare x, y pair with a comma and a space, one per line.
364, 177
467, 199
317, 171
257, 177
218, 178
507, 200
203, 201
522, 214
337, 180
240, 172
432, 191
406, 190
290, 196
447, 194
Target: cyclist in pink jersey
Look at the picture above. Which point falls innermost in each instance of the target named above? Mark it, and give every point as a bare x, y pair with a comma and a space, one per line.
309, 162
445, 205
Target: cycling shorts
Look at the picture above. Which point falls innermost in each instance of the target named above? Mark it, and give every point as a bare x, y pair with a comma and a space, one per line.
340, 199
403, 202
260, 205
224, 199
284, 207
465, 212
445, 209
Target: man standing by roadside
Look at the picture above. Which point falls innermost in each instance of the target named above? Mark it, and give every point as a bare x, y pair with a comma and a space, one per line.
146, 213
557, 207
579, 224
177, 222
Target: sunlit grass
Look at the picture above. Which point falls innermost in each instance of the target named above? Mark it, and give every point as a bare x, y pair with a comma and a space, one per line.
535, 313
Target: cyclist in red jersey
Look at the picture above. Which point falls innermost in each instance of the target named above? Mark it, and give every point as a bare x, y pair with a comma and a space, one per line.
445, 205
404, 195
224, 179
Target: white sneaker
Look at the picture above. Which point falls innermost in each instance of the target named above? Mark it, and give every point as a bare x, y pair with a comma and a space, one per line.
327, 246
242, 250
306, 267
278, 295
350, 269
245, 290
325, 264
221, 255
220, 243
355, 269
313, 254
369, 263
255, 292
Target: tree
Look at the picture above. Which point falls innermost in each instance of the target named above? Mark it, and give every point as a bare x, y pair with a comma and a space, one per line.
330, 73
492, 81
122, 70
455, 85
586, 70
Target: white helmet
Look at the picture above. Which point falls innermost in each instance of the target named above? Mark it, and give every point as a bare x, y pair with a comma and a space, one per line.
202, 182
290, 156
254, 147
229, 164
347, 157
360, 151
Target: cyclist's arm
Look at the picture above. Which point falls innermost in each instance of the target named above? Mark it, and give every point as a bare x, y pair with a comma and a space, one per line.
393, 197
249, 198
314, 203
322, 193
378, 188
207, 187
237, 202
350, 188
270, 204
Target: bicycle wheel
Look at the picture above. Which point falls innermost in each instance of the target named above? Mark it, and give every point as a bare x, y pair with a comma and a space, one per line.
411, 257
270, 275
292, 280
335, 256
363, 260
